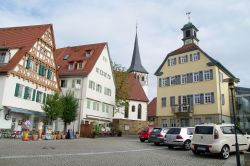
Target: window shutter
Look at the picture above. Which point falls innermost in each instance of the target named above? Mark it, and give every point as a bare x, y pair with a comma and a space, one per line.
179, 60
26, 92
168, 62
200, 75
175, 61
49, 74
168, 81
37, 96
191, 57
28, 63
17, 89
34, 95
186, 57
198, 53
44, 98
172, 100
160, 82
211, 73
202, 98
212, 97
179, 103
191, 77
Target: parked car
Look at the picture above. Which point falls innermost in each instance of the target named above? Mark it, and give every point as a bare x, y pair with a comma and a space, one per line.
218, 138
179, 136
157, 135
144, 134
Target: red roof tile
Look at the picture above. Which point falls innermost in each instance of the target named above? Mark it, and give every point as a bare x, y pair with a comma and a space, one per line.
20, 37
76, 54
183, 49
152, 107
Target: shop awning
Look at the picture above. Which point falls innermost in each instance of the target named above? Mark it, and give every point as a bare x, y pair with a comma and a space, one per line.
25, 111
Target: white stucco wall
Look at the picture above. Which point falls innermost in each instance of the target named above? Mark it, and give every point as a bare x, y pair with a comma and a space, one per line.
119, 114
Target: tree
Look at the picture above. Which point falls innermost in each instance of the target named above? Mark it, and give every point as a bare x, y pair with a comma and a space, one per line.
121, 77
52, 107
69, 111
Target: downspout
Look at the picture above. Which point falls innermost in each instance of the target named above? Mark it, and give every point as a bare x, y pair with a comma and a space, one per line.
220, 96
80, 111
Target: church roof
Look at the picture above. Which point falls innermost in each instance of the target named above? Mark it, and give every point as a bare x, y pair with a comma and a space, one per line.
65, 56
192, 47
136, 65
22, 38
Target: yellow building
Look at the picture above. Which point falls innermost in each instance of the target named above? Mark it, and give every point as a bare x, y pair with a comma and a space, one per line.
190, 87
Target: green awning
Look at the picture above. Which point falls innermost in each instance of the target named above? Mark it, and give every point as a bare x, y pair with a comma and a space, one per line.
25, 111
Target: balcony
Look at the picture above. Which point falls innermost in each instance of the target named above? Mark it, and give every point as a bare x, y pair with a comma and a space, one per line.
182, 109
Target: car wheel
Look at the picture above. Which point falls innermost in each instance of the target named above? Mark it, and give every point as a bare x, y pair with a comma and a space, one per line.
195, 152
170, 147
142, 140
187, 145
224, 154
156, 143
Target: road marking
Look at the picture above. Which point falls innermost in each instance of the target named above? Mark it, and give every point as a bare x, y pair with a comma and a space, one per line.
75, 154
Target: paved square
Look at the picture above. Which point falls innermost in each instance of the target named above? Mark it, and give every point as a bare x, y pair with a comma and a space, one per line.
118, 151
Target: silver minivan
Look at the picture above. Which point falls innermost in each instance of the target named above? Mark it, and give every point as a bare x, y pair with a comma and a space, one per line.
179, 136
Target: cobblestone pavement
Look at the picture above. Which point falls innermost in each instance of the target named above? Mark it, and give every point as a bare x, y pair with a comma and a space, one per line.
117, 151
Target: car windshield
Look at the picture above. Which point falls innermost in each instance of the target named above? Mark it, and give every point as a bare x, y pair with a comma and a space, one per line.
204, 130
174, 131
156, 130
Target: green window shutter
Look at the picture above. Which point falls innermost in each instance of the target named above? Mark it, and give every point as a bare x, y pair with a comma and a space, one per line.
26, 92
34, 95
37, 96
44, 98
28, 63
49, 74
41, 70
17, 89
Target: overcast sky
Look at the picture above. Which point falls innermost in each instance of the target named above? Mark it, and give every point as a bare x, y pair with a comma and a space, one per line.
224, 28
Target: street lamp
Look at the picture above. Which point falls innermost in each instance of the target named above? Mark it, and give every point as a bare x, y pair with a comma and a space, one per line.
231, 82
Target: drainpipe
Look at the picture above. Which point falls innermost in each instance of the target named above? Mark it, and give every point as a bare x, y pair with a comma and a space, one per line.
220, 97
80, 105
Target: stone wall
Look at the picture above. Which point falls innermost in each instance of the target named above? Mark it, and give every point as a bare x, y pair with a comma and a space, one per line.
129, 126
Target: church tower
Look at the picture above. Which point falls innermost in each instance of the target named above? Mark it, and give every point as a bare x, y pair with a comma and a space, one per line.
136, 67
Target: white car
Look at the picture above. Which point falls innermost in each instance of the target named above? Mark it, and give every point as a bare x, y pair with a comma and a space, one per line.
218, 138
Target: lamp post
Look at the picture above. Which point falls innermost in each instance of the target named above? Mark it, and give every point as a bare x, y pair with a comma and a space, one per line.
231, 82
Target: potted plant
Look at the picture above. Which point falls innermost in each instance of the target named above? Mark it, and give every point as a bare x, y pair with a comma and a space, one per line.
34, 135
53, 135
58, 135
43, 135
63, 135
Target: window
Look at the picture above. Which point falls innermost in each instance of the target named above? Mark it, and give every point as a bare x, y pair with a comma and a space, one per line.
49, 74
183, 59
197, 121
184, 79
41, 70
172, 123
39, 97
139, 111
92, 85
107, 91
163, 102
227, 130
66, 57
196, 77
19, 90
164, 123
27, 93
184, 122
208, 98
222, 99
107, 108
3, 56
133, 108
195, 56
94, 105
197, 99
188, 33
174, 131
172, 80
70, 66
97, 106
79, 65
207, 75
98, 88
64, 83
208, 120
190, 131
172, 62
103, 107
88, 103
204, 130
165, 81
28, 63
221, 77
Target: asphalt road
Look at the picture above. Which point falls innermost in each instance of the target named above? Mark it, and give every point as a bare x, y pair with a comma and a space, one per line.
109, 151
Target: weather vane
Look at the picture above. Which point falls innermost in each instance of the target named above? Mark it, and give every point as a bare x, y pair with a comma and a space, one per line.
188, 13
136, 25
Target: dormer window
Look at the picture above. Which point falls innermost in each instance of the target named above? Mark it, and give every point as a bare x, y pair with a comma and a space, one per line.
2, 57
66, 57
79, 65
88, 53
71, 66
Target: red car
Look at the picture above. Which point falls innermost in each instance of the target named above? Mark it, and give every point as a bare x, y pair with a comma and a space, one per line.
144, 134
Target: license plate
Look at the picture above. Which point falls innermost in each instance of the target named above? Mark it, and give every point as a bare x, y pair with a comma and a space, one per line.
201, 148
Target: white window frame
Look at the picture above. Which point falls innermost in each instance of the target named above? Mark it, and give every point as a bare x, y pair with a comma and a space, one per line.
207, 75
184, 79
2, 57
196, 77
172, 62
195, 57
71, 66
197, 99
164, 106
207, 98
172, 80
183, 59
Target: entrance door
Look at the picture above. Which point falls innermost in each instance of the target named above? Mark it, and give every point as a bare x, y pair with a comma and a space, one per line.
184, 122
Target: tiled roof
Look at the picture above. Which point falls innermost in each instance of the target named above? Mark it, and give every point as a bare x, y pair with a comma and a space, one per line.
22, 38
152, 107
133, 86
192, 47
78, 54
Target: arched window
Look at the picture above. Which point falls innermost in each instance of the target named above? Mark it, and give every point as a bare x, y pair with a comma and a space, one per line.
139, 111
133, 108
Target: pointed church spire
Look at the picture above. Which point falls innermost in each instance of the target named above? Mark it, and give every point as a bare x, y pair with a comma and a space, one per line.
136, 65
